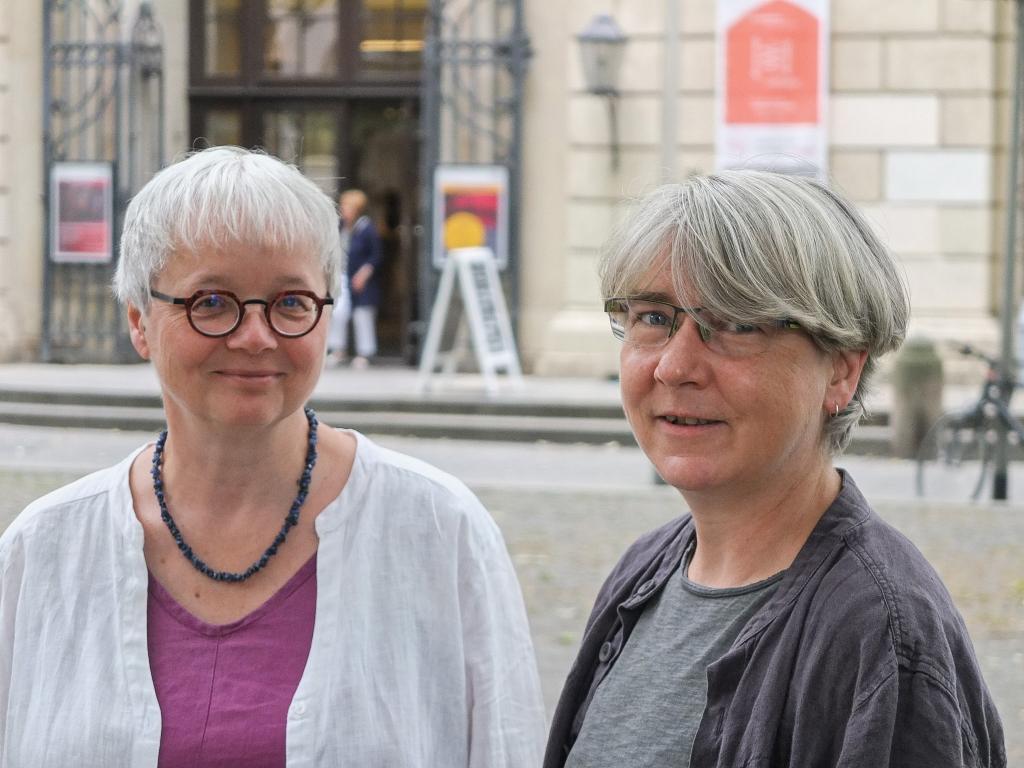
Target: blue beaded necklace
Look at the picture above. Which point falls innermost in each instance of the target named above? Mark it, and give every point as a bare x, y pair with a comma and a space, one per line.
290, 519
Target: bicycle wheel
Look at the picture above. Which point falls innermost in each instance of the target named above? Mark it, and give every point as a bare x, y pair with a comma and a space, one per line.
952, 460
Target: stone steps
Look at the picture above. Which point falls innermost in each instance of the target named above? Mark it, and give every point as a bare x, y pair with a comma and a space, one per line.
472, 419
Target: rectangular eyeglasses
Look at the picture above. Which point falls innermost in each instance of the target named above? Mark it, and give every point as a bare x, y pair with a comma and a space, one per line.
650, 324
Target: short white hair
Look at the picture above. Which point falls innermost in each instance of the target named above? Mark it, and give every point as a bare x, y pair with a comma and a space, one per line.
756, 246
219, 197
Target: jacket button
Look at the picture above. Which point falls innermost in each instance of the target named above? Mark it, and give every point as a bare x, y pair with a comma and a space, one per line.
606, 652
646, 587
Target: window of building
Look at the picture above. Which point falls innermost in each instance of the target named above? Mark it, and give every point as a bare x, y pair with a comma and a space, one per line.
316, 41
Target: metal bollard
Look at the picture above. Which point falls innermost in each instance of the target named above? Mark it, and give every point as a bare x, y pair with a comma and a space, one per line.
917, 395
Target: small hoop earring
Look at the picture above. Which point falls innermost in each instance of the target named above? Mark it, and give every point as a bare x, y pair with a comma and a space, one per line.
836, 414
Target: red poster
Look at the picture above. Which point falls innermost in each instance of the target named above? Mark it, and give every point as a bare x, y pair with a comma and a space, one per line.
81, 212
772, 75
772, 70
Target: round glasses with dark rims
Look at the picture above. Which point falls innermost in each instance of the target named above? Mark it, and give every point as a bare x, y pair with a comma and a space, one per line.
216, 313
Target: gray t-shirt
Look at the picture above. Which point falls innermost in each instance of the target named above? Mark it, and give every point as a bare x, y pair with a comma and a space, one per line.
647, 709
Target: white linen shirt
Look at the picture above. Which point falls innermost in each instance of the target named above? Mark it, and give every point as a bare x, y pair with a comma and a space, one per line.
421, 652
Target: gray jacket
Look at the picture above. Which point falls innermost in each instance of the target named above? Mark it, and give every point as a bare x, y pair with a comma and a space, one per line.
859, 659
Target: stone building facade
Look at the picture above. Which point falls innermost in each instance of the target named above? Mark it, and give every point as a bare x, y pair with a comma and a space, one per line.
918, 126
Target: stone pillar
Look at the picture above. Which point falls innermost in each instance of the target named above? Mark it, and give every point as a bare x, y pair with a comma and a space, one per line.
21, 182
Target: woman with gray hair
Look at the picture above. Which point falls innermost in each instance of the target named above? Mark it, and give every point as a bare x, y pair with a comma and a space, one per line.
255, 588
780, 622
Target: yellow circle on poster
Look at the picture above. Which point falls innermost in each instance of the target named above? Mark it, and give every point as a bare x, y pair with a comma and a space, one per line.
464, 230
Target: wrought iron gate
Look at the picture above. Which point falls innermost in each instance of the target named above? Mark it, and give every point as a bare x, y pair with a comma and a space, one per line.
474, 66
102, 103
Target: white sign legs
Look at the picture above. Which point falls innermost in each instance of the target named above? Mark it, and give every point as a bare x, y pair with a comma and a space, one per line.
486, 314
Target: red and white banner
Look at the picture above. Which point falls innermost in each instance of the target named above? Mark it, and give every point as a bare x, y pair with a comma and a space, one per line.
773, 85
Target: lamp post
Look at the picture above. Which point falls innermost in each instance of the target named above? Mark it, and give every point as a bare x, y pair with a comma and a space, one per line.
1000, 479
601, 48
147, 43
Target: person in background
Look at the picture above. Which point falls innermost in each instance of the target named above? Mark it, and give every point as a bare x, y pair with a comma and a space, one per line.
780, 622
255, 587
363, 259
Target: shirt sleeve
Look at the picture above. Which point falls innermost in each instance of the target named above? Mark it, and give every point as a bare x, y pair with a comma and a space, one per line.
507, 724
10, 580
911, 720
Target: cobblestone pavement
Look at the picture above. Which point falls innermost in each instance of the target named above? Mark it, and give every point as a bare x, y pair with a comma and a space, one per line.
564, 541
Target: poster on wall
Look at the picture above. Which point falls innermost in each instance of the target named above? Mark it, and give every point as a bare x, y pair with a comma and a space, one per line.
470, 210
81, 212
772, 72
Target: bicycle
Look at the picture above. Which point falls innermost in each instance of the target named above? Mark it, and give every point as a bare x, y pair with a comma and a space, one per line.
963, 442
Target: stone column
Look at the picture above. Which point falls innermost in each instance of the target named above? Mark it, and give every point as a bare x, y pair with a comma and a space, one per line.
576, 340
21, 182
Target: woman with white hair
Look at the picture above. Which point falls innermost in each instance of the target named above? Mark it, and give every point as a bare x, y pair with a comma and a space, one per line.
780, 621
255, 588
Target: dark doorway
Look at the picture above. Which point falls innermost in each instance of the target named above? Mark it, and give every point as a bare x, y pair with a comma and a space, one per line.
334, 87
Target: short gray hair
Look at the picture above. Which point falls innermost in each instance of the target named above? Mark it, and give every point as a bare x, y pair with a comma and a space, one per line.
757, 246
219, 197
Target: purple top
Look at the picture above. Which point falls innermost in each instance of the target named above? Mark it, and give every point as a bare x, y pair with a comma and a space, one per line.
224, 690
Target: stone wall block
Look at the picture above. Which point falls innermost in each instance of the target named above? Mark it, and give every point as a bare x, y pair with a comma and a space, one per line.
857, 173
642, 66
694, 160
591, 173
885, 15
696, 16
5, 216
969, 15
639, 119
968, 121
578, 343
906, 229
939, 176
640, 17
884, 121
939, 64
1000, 175
590, 223
584, 286
1006, 53
697, 57
696, 120
967, 230
947, 285
856, 64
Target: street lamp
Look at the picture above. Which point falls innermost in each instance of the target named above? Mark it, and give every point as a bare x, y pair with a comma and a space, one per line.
601, 48
146, 42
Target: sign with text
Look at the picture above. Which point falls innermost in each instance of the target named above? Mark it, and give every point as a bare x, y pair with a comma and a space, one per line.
81, 212
485, 314
470, 210
773, 85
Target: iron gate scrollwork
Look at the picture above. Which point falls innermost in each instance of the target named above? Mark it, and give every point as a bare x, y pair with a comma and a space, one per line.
474, 66
102, 103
